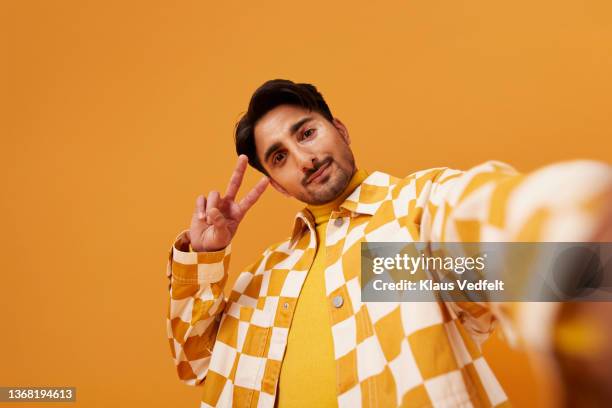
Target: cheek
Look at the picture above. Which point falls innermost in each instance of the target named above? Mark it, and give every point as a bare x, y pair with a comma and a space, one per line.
289, 180
337, 146
342, 155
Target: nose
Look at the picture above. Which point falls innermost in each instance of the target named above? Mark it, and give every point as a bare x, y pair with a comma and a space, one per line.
305, 159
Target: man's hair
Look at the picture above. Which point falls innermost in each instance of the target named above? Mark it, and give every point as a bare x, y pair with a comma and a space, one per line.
267, 97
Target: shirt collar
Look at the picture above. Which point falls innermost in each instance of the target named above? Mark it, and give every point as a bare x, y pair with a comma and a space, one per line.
322, 212
365, 199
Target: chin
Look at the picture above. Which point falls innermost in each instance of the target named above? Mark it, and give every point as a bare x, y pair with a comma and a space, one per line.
329, 191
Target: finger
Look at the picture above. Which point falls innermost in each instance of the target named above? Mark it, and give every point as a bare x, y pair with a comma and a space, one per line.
217, 218
211, 202
253, 195
200, 208
237, 176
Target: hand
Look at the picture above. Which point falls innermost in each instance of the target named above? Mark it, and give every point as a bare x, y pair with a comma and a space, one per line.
216, 219
603, 231
583, 338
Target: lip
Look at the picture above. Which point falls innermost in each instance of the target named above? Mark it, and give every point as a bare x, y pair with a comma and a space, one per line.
317, 175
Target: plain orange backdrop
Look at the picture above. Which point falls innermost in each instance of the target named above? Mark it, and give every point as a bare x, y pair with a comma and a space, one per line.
117, 114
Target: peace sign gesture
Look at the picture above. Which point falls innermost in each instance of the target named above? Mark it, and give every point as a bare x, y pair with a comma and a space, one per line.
216, 219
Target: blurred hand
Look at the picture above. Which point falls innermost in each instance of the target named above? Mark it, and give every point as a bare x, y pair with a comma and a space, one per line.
583, 340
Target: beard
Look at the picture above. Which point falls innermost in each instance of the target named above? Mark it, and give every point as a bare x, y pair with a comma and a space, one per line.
332, 185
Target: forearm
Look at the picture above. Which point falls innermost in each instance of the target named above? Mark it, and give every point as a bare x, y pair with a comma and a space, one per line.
196, 304
563, 202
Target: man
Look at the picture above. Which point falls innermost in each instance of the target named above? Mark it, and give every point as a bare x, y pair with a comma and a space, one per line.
294, 331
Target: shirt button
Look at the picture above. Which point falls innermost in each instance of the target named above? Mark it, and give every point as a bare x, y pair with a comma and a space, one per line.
286, 305
338, 301
338, 222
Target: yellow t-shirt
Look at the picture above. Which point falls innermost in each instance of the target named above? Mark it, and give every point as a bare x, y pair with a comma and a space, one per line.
308, 373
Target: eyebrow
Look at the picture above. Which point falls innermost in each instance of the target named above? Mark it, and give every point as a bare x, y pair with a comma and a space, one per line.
272, 149
294, 128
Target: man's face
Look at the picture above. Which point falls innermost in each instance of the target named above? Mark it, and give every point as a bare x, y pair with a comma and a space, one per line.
305, 155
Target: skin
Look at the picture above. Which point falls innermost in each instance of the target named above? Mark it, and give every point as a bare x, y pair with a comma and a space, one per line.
297, 155
586, 374
216, 218
301, 151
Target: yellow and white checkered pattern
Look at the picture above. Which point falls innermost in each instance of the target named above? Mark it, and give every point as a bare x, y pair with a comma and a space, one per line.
389, 354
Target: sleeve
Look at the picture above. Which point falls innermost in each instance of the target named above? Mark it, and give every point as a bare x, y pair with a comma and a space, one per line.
197, 301
492, 202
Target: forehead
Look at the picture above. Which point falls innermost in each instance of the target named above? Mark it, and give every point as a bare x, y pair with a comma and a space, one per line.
276, 124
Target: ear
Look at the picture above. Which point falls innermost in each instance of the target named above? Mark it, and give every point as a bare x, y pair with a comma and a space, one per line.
279, 188
342, 130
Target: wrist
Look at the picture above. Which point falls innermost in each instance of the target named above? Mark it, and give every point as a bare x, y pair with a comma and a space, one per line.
195, 249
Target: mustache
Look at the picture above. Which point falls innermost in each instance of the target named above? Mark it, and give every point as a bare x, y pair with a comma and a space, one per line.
318, 165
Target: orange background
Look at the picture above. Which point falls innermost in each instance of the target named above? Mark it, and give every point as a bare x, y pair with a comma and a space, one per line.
119, 113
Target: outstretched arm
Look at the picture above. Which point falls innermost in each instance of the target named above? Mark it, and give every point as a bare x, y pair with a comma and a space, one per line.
492, 202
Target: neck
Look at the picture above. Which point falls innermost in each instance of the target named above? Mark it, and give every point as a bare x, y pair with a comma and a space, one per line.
321, 212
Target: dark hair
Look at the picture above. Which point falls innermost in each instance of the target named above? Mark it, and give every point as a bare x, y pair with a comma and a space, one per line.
267, 97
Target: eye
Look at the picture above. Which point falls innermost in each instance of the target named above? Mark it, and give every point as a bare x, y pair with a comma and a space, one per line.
275, 159
308, 132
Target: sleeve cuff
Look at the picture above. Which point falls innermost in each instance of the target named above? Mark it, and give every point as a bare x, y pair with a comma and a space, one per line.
186, 266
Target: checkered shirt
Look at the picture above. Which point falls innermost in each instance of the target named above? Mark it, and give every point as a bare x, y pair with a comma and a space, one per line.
388, 354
